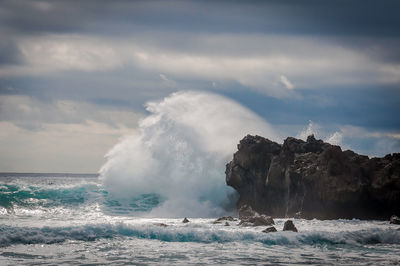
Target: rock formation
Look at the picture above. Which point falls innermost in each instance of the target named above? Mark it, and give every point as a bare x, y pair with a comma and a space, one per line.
224, 219
289, 226
270, 230
248, 217
313, 179
394, 219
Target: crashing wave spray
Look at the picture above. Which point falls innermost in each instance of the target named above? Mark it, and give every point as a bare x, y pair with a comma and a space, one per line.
180, 153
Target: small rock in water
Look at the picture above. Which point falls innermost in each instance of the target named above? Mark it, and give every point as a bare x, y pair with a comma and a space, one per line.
224, 218
289, 226
257, 220
161, 224
227, 224
394, 219
270, 230
185, 220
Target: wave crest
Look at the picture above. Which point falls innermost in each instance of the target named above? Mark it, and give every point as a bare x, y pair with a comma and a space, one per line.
180, 153
49, 235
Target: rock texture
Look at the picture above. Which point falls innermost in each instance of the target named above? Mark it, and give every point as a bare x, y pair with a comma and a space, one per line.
394, 219
313, 179
270, 230
248, 217
289, 226
223, 219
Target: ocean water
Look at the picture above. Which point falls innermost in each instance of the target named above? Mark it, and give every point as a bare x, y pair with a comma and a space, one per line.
72, 220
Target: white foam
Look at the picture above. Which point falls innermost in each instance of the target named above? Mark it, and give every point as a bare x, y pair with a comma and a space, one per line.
181, 152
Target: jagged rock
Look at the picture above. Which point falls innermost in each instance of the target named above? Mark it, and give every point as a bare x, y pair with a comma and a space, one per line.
270, 230
257, 220
227, 224
248, 217
312, 177
394, 219
224, 218
246, 211
161, 224
289, 226
185, 220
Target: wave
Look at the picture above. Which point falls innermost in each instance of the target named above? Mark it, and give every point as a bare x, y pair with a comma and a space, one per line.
30, 196
21, 196
10, 235
180, 153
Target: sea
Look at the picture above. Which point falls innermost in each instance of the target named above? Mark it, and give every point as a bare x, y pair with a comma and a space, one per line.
71, 219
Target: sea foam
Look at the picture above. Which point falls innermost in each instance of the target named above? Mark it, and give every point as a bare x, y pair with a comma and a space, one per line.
180, 152
193, 233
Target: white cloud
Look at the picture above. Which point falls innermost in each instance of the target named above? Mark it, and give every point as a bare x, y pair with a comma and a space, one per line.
255, 61
168, 82
25, 110
60, 136
56, 147
286, 82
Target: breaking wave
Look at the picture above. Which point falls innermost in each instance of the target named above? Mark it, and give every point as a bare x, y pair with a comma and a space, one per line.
180, 152
11, 235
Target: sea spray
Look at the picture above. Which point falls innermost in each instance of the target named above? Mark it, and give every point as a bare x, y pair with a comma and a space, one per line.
180, 153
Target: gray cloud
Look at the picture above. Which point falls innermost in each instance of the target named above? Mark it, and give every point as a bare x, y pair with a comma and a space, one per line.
336, 17
10, 53
72, 69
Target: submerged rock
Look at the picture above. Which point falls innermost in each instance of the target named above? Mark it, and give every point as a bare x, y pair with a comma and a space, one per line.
185, 220
289, 226
270, 230
394, 219
224, 218
312, 177
161, 224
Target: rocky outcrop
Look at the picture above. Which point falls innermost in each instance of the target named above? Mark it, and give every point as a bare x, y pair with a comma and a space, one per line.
313, 179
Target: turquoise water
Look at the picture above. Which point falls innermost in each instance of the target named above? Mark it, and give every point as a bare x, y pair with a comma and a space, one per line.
47, 219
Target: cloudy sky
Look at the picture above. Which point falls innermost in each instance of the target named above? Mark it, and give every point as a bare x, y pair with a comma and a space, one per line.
74, 75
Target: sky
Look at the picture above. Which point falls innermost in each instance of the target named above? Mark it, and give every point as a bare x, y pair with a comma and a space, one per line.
75, 75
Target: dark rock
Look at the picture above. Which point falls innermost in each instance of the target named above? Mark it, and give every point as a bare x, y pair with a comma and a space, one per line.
289, 226
161, 224
185, 220
257, 220
246, 211
312, 177
224, 218
248, 217
227, 224
270, 230
394, 219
